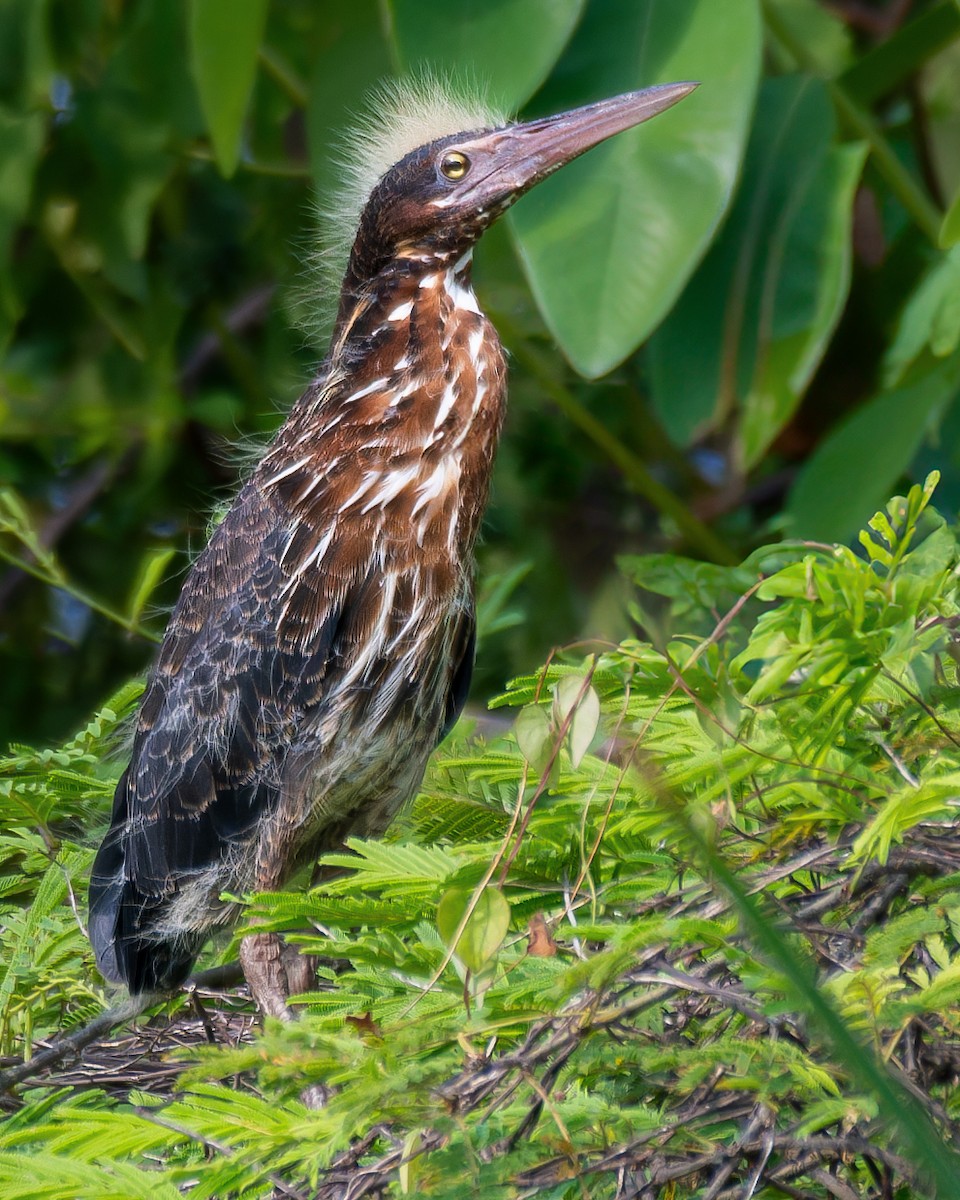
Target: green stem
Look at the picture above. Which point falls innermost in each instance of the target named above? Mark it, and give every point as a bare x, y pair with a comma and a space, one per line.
54, 579
911, 195
273, 170
700, 536
284, 76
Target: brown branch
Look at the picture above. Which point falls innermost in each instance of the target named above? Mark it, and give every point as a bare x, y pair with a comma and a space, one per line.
72, 1043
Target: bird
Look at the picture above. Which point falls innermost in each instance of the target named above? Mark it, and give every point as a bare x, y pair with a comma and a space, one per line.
323, 641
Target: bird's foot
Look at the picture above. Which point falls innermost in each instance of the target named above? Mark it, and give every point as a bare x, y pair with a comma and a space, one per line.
271, 974
274, 972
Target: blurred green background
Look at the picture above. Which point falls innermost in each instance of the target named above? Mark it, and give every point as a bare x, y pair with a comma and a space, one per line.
736, 323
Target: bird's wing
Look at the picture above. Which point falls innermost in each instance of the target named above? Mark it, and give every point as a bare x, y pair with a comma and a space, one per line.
464, 652
228, 692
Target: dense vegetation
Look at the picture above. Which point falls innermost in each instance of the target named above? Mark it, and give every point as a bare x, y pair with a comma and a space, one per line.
702, 871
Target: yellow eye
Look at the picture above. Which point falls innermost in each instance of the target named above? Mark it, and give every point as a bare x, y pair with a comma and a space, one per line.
454, 165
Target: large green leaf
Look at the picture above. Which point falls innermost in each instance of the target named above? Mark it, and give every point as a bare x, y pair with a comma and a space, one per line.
765, 302
508, 48
609, 242
858, 465
225, 37
355, 57
483, 930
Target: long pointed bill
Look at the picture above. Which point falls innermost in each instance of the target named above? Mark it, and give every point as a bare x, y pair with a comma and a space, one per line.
523, 155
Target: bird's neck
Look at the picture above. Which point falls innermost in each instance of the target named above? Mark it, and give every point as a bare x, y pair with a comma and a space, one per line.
405, 419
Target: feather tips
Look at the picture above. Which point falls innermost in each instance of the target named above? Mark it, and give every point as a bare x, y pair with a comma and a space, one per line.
399, 116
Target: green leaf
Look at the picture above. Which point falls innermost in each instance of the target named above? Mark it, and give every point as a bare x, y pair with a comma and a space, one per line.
853, 469
49, 896
897, 58
823, 33
225, 37
485, 928
508, 48
950, 229
609, 242
21, 140
584, 703
534, 734
930, 319
764, 304
355, 56
150, 575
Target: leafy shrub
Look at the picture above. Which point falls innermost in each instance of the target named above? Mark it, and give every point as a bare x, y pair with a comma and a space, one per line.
718, 949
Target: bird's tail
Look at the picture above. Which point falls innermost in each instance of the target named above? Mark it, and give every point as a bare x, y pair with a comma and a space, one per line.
123, 920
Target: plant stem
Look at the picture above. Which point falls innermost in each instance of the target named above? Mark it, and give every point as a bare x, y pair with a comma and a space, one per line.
91, 602
284, 76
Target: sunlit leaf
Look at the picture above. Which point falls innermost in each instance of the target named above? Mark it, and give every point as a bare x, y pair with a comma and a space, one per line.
581, 705
534, 735
485, 929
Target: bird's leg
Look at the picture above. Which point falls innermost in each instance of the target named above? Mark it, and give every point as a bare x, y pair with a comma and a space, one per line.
261, 956
274, 972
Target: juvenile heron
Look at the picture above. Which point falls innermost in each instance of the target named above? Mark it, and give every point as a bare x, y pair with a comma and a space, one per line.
323, 641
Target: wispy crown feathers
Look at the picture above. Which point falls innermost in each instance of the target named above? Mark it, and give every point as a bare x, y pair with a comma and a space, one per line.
399, 116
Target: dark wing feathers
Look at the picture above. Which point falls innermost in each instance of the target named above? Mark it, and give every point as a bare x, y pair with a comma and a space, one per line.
220, 709
242, 665
464, 652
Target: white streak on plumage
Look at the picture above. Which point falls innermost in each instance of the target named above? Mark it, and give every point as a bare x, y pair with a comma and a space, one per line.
375, 386
460, 296
392, 484
451, 394
295, 466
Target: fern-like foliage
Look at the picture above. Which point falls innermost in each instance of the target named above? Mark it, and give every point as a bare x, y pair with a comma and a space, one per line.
691, 928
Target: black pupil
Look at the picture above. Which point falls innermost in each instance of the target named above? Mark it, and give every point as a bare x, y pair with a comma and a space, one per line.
454, 165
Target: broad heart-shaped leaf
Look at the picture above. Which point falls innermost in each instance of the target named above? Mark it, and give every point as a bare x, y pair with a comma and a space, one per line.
609, 242
570, 696
509, 49
225, 37
855, 468
485, 929
534, 733
761, 308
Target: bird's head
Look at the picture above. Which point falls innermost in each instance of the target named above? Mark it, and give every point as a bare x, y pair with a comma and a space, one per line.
433, 201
